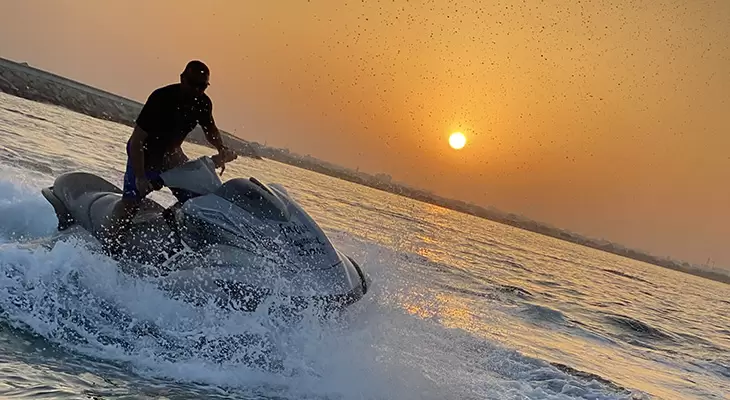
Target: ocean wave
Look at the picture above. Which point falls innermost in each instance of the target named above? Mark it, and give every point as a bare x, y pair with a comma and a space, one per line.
80, 301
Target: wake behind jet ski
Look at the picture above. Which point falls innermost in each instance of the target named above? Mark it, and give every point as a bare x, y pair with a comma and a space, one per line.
235, 243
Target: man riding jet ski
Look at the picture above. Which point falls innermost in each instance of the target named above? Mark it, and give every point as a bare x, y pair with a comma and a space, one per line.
227, 241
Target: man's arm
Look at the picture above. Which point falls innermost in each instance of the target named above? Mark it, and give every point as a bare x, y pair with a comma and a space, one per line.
213, 135
207, 122
136, 151
147, 121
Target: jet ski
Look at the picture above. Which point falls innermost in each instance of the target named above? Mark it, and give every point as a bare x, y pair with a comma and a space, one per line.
236, 243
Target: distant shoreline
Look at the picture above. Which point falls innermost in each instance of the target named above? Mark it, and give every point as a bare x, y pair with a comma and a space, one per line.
22, 80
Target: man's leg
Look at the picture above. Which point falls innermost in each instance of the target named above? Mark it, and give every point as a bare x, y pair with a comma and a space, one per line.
119, 223
174, 158
123, 212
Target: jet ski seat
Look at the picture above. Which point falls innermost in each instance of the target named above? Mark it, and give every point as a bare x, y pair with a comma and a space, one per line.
89, 200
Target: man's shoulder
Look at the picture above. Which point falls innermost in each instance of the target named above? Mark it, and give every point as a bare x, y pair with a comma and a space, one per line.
166, 91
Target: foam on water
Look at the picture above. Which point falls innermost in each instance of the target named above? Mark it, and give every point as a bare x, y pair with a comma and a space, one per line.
22, 210
79, 300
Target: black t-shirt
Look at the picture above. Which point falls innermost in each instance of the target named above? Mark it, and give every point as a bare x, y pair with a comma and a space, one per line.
168, 117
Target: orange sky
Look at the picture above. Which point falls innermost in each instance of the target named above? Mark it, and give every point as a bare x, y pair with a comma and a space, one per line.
608, 118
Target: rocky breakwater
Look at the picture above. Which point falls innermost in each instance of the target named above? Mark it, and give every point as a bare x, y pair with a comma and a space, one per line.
22, 80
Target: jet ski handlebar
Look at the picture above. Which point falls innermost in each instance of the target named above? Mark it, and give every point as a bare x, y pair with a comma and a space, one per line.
183, 176
157, 183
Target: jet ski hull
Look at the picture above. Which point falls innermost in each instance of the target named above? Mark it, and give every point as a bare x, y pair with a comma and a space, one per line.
236, 244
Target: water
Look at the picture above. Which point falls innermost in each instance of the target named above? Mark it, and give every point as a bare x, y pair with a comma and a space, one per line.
461, 308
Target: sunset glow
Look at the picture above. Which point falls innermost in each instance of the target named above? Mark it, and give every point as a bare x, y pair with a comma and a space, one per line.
457, 140
602, 118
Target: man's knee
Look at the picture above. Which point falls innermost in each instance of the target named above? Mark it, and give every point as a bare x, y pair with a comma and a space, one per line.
130, 203
127, 207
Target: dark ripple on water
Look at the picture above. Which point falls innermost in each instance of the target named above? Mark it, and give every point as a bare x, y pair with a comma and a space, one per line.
26, 114
625, 275
541, 313
377, 210
41, 167
588, 376
444, 274
720, 367
546, 283
611, 304
637, 328
501, 293
516, 290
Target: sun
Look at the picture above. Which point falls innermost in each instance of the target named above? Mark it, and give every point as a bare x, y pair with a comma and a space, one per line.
457, 140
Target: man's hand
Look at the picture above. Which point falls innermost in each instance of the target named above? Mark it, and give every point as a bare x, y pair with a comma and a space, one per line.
227, 154
224, 155
143, 185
